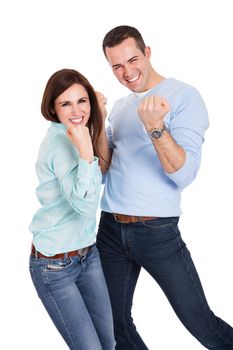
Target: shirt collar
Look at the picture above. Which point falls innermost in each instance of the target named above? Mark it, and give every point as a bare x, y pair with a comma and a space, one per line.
58, 125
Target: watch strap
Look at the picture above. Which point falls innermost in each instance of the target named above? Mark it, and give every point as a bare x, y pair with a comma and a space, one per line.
156, 133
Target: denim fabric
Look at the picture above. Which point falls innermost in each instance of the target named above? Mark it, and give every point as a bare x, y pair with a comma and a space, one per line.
156, 246
74, 293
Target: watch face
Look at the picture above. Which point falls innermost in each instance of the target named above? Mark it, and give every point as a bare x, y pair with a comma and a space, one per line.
156, 134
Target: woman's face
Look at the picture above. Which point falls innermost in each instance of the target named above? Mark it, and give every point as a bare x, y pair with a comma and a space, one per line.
73, 106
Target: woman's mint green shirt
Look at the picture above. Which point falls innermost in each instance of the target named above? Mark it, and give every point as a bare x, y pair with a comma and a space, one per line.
69, 190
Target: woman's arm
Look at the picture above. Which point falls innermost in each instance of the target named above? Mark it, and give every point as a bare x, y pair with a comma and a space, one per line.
105, 151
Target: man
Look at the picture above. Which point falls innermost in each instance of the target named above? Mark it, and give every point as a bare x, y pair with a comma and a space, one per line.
155, 134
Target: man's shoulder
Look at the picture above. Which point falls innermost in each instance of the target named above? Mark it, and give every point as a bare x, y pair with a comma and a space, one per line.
125, 99
121, 103
177, 90
172, 83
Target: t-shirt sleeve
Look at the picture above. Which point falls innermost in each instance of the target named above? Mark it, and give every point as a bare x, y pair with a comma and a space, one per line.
188, 124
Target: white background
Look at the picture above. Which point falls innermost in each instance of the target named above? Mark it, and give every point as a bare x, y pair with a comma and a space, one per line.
190, 41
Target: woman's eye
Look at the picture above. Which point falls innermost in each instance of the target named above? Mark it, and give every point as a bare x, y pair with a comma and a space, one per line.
65, 104
82, 100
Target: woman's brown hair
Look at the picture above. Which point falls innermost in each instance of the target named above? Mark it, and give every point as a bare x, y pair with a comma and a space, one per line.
56, 85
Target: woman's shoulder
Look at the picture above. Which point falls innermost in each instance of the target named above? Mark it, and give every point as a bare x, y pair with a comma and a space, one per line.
56, 144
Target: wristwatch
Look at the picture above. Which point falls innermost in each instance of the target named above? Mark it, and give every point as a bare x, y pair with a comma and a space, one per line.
156, 133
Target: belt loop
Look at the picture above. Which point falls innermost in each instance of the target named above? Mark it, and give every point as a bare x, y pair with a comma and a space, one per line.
36, 254
65, 255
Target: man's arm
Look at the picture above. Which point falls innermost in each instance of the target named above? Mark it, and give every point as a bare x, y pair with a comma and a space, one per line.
152, 111
171, 155
105, 152
178, 149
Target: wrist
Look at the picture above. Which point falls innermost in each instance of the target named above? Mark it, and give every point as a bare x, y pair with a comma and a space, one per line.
157, 132
151, 126
88, 157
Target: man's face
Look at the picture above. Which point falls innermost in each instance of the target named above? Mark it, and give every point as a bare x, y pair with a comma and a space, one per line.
130, 66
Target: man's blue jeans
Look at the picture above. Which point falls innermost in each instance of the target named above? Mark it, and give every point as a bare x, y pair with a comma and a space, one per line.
156, 246
75, 295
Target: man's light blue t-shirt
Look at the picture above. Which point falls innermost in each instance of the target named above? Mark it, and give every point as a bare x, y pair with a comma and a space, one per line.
69, 190
136, 183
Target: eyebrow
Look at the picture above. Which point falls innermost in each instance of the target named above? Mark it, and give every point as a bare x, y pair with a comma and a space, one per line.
119, 64
81, 98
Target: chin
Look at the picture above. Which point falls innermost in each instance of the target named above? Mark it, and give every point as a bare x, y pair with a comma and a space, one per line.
136, 89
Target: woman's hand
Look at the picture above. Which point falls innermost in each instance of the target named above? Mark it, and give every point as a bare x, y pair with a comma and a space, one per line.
79, 135
106, 153
102, 101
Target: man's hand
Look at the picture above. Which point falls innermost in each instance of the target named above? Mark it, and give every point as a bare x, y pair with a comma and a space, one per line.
152, 111
79, 135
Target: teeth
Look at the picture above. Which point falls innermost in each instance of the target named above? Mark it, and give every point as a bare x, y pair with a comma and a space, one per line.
76, 119
133, 79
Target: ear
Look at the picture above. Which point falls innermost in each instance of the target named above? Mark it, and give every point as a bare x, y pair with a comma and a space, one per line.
148, 52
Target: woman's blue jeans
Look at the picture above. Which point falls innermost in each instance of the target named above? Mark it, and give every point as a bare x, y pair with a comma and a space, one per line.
75, 295
156, 246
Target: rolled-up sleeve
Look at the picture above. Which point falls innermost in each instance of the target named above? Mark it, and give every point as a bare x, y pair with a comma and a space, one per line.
80, 180
188, 123
109, 136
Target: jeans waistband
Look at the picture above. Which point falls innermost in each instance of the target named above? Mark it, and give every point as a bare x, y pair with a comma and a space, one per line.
79, 252
127, 219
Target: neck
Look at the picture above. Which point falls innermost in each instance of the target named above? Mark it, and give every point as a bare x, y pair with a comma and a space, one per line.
154, 79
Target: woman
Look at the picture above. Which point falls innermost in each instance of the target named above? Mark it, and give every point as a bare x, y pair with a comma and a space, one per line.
64, 262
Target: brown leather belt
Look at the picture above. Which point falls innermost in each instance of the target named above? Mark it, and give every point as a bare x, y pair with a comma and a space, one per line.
80, 252
127, 219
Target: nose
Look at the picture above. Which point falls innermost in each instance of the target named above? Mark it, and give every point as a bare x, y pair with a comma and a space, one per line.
127, 71
75, 109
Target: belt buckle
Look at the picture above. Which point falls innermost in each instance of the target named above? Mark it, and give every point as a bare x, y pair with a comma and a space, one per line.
120, 222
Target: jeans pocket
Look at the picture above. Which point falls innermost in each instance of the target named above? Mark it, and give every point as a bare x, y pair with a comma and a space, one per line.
32, 273
157, 225
160, 231
162, 223
58, 265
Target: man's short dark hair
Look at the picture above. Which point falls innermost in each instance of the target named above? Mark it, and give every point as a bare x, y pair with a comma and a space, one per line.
119, 34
